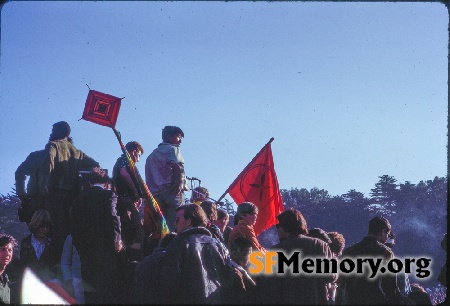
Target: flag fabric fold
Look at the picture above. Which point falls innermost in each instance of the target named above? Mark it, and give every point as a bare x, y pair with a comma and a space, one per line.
258, 184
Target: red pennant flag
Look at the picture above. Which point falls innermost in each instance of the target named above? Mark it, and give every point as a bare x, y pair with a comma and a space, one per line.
258, 184
101, 108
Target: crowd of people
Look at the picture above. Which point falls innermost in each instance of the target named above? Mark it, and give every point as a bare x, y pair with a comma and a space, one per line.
88, 236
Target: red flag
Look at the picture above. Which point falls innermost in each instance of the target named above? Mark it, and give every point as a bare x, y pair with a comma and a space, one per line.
258, 184
101, 108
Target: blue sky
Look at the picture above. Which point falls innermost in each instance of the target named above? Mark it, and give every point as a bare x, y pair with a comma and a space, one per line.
350, 91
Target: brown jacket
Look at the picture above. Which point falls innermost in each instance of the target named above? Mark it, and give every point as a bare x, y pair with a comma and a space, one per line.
60, 166
359, 289
299, 288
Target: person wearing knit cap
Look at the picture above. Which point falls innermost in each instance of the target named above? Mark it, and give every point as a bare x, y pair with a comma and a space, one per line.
59, 178
60, 130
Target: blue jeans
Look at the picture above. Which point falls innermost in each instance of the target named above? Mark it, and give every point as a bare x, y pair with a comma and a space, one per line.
169, 203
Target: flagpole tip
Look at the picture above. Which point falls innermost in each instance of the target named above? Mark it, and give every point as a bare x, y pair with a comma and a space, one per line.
271, 139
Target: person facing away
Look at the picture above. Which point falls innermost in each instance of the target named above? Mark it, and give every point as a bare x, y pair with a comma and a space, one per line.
97, 238
337, 245
319, 234
147, 276
7, 244
59, 179
194, 269
210, 209
322, 235
247, 213
199, 194
164, 174
360, 289
30, 197
37, 250
301, 288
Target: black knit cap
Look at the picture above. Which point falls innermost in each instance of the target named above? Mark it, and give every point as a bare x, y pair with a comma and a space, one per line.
61, 129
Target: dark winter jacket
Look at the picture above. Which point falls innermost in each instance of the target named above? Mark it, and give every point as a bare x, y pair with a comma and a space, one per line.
194, 269
95, 224
147, 287
45, 266
215, 232
299, 288
360, 290
59, 170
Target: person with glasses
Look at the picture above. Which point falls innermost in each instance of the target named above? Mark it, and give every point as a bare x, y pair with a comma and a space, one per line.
37, 250
360, 289
246, 216
194, 269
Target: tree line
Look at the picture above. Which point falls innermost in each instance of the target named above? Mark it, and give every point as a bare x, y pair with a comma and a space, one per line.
418, 214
